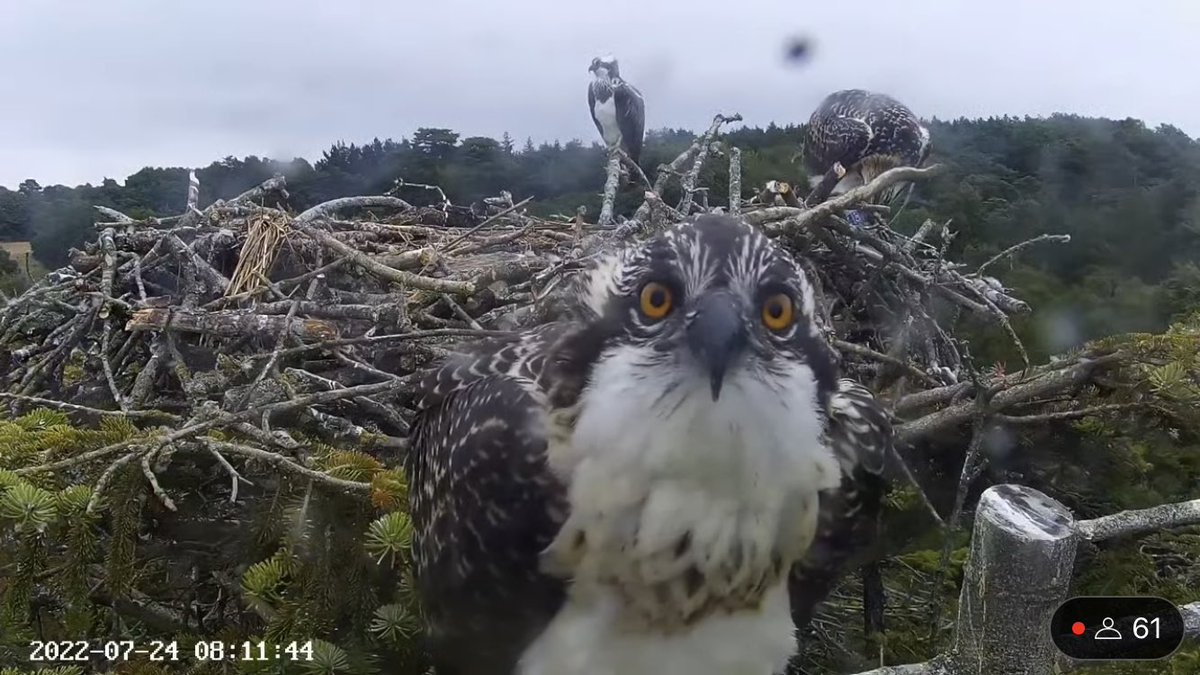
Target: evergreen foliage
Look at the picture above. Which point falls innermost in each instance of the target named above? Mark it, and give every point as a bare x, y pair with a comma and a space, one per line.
316, 566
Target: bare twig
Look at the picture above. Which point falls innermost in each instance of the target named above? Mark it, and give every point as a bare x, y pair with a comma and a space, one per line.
332, 206
399, 276
1141, 521
701, 143
279, 340
884, 358
799, 218
1012, 250
74, 407
1064, 415
690, 180
235, 478
157, 489
633, 167
283, 463
488, 221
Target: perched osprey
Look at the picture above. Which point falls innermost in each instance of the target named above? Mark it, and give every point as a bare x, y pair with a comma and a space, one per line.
860, 134
655, 486
617, 107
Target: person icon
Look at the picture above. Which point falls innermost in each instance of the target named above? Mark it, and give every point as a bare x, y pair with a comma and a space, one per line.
1107, 632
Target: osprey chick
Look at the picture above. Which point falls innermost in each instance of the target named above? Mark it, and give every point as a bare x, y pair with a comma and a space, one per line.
858, 135
617, 107
639, 490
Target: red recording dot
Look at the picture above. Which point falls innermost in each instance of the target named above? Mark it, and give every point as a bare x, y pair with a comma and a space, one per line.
1078, 628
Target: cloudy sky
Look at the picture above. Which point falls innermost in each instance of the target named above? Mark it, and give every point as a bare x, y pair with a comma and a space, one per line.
100, 89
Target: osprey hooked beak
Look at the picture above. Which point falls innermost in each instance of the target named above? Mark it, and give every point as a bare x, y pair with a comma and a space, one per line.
603, 67
716, 335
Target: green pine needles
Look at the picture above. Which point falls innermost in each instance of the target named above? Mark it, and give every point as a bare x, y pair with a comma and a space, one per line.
87, 548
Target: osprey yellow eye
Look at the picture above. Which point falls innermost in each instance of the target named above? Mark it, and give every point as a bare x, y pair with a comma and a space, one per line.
778, 311
655, 300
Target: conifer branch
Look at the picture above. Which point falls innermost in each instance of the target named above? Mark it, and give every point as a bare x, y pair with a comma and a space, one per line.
1016, 248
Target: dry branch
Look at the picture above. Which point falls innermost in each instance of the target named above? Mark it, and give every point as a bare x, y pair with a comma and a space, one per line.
612, 174
1141, 521
701, 144
1012, 392
674, 169
800, 218
398, 276
229, 323
329, 208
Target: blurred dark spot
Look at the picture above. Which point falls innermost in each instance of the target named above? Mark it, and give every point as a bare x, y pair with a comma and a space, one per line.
798, 49
858, 219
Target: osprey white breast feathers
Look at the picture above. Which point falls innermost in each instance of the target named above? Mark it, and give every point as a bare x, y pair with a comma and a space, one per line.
636, 490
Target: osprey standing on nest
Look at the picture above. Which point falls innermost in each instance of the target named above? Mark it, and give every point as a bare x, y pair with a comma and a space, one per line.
617, 107
654, 487
854, 135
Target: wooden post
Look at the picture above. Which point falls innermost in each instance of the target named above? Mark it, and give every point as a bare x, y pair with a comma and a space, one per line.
1018, 572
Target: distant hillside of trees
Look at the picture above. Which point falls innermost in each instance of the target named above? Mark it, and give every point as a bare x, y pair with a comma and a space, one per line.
1128, 195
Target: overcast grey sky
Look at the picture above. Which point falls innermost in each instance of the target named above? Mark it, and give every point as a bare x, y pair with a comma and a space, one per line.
100, 89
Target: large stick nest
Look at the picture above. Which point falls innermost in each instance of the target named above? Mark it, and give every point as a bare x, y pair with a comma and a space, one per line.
270, 325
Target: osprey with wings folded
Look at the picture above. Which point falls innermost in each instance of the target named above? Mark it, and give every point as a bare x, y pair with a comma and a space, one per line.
667, 482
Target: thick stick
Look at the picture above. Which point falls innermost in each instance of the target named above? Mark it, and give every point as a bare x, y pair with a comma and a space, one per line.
230, 323
399, 276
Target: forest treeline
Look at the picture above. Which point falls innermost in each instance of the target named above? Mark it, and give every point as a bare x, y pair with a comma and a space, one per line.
1128, 195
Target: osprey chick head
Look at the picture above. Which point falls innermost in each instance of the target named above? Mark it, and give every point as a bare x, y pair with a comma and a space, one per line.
703, 415
605, 67
714, 303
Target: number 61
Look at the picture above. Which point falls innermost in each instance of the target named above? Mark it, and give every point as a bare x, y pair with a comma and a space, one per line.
1141, 627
